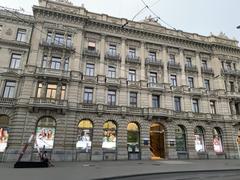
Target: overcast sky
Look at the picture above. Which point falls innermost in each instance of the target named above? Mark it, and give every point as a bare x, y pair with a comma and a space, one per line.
196, 16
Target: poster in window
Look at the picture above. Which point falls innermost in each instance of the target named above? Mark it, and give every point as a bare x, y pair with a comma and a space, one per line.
109, 140
45, 137
3, 139
217, 145
199, 145
84, 142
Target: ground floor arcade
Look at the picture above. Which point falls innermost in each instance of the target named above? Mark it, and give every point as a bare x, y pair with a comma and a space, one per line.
84, 136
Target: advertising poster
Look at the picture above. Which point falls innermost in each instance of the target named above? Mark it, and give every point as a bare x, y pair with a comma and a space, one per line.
84, 142
3, 139
45, 137
217, 145
199, 145
109, 140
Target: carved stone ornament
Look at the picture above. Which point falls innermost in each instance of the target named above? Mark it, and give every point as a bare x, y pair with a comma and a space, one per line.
64, 2
9, 32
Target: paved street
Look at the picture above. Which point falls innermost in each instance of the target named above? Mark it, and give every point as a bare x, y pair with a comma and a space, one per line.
109, 169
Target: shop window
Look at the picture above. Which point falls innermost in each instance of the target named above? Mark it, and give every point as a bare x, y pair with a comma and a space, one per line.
180, 135
133, 138
109, 136
45, 133
217, 140
84, 139
199, 139
4, 132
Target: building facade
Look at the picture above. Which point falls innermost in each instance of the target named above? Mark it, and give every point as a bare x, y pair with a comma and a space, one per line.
95, 87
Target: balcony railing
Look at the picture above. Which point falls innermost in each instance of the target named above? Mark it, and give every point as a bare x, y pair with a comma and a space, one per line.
113, 81
133, 83
174, 65
113, 56
195, 91
53, 72
191, 68
133, 59
207, 70
48, 103
7, 101
156, 86
91, 53
231, 72
153, 62
54, 44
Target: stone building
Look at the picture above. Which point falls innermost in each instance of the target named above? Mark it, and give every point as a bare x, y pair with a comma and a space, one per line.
95, 87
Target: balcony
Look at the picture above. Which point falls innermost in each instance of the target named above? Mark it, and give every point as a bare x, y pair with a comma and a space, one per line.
90, 79
207, 70
230, 72
58, 45
191, 68
6, 102
57, 73
153, 62
47, 103
133, 59
135, 84
174, 65
113, 56
195, 91
159, 112
91, 53
113, 81
87, 105
155, 86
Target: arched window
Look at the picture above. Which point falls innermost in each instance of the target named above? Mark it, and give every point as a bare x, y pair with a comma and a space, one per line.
45, 133
180, 138
109, 135
217, 140
199, 139
133, 137
4, 132
84, 140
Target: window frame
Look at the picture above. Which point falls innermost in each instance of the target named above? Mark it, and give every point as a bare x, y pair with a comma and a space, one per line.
9, 90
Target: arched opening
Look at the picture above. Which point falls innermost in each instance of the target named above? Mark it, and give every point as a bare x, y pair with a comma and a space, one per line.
199, 139
84, 139
133, 141
4, 132
157, 141
45, 133
217, 140
109, 144
180, 135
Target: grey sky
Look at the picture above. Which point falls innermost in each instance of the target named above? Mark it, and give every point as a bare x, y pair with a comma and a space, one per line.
195, 16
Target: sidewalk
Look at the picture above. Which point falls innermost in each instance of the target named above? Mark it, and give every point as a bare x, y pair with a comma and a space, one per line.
104, 169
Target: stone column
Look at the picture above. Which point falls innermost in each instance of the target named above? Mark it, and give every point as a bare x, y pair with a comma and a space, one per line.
123, 58
142, 58
216, 66
199, 65
182, 64
102, 56
165, 64
74, 64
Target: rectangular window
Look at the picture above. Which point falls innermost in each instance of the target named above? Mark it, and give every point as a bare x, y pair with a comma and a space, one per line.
188, 62
111, 72
195, 106
132, 52
39, 90
15, 61
152, 56
171, 58
204, 64
212, 107
90, 69
9, 89
155, 101
63, 92
177, 104
191, 82
49, 37
153, 77
44, 61
66, 64
232, 88
21, 35
228, 66
56, 63
92, 46
51, 91
111, 98
69, 41
133, 99
59, 39
88, 96
207, 84
132, 75
173, 79
112, 50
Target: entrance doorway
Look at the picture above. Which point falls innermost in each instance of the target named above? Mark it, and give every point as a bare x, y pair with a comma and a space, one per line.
157, 141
